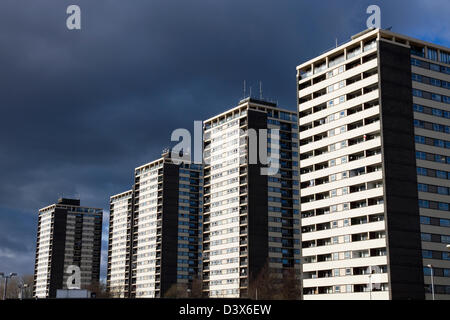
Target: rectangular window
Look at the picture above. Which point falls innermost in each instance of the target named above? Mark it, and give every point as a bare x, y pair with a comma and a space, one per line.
444, 223
425, 220
421, 171
436, 97
417, 93
445, 239
418, 108
435, 67
441, 174
446, 99
443, 206
427, 254
437, 112
445, 57
424, 203
432, 54
426, 237
416, 77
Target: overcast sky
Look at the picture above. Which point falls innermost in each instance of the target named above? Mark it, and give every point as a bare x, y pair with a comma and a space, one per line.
81, 109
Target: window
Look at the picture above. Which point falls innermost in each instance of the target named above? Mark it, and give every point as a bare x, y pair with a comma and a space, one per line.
427, 254
436, 97
432, 54
416, 77
445, 57
418, 108
441, 174
424, 203
417, 51
446, 99
435, 82
426, 237
435, 67
437, 113
444, 223
425, 220
421, 171
420, 139
417, 93
445, 239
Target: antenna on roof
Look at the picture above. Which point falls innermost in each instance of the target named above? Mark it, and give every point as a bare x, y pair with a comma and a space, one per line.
250, 92
260, 90
245, 89
389, 29
336, 42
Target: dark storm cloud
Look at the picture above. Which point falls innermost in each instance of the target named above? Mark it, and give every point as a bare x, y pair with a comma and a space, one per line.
80, 109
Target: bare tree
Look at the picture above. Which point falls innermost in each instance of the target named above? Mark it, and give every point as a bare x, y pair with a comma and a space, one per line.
271, 285
290, 285
16, 285
99, 289
172, 292
177, 290
264, 285
197, 288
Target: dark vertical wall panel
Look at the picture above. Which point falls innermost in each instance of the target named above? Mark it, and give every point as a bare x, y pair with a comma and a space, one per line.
399, 164
258, 251
169, 227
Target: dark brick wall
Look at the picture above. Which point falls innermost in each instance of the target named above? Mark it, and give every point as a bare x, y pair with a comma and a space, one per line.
399, 164
257, 205
169, 227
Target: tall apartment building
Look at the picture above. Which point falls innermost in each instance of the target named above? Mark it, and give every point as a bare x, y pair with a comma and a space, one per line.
68, 235
155, 231
251, 217
119, 244
374, 169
